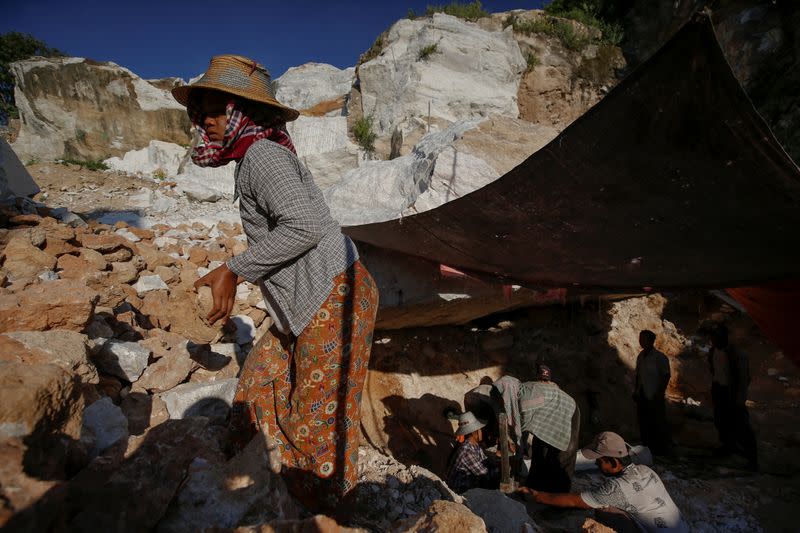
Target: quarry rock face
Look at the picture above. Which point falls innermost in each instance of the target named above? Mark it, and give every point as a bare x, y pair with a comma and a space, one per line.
443, 166
81, 109
306, 87
465, 72
158, 157
631, 316
324, 147
560, 83
500, 142
383, 190
218, 179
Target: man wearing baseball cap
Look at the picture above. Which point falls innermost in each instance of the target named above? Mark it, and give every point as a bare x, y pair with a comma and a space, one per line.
632, 498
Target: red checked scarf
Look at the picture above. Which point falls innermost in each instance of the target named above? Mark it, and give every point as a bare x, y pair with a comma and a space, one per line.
241, 131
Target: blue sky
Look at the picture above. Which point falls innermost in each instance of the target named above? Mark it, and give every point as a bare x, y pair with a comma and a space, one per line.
177, 37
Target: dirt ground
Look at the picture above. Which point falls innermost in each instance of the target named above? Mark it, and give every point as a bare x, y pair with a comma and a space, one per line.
82, 190
110, 196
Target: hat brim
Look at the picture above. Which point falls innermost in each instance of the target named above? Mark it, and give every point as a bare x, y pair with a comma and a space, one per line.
182, 94
471, 428
590, 454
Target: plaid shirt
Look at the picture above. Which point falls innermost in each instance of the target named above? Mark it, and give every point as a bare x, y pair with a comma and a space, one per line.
546, 411
470, 468
295, 246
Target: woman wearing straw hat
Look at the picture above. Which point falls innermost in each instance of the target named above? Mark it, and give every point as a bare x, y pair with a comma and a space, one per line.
301, 384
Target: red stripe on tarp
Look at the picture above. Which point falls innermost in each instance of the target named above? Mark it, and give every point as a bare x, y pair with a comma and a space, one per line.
775, 308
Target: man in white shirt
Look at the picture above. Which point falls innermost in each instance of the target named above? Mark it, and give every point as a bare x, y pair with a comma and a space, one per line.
632, 498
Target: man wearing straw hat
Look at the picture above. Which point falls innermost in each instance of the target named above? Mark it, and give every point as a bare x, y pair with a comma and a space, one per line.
632, 499
301, 384
470, 467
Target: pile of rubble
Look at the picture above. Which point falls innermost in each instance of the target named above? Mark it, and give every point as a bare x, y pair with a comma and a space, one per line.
388, 490
103, 338
114, 390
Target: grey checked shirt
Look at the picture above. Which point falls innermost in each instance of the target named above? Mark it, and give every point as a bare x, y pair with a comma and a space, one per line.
295, 247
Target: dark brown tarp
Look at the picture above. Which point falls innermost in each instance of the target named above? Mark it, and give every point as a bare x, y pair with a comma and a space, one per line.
673, 180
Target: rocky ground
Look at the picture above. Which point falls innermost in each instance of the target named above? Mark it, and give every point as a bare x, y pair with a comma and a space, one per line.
108, 366
111, 197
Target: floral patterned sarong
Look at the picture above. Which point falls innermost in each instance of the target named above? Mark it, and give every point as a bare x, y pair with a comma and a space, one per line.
305, 392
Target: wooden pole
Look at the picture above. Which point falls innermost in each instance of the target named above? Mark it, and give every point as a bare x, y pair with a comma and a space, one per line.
506, 484
429, 116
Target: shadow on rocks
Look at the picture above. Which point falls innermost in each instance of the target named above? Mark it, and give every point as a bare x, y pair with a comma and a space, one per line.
130, 486
210, 360
132, 217
419, 431
377, 505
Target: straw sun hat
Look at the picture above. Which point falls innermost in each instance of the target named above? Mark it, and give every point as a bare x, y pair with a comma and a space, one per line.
239, 76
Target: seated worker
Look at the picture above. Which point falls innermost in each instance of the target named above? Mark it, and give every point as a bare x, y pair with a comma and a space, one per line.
632, 498
470, 467
543, 410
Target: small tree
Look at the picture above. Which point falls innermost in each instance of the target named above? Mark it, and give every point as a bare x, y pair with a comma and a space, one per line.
365, 137
15, 46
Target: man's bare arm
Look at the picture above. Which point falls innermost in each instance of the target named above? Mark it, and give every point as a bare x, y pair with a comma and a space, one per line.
567, 499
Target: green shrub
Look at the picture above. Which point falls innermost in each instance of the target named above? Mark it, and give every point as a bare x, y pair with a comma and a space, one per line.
600, 67
613, 33
551, 26
587, 13
565, 32
374, 50
159, 174
365, 137
471, 11
88, 164
532, 60
426, 51
15, 46
411, 15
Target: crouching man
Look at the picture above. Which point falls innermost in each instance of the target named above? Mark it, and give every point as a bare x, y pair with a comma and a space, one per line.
632, 498
470, 468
